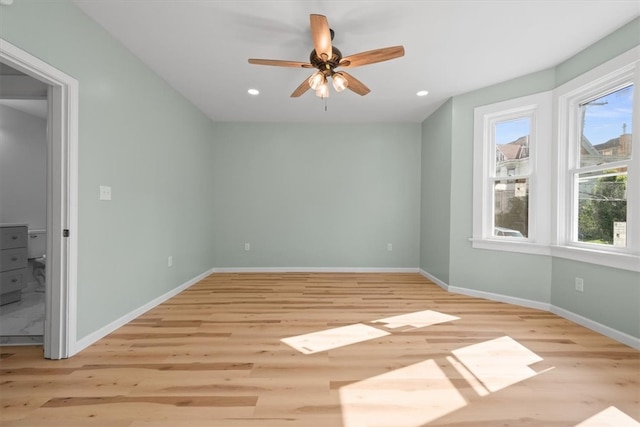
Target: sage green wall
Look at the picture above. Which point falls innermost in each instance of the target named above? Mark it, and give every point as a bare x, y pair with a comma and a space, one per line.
147, 142
436, 192
600, 52
611, 296
312, 195
514, 274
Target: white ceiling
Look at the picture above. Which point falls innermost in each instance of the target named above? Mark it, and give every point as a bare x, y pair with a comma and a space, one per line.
201, 48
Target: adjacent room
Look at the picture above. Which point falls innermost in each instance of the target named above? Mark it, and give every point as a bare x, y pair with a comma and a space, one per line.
319, 213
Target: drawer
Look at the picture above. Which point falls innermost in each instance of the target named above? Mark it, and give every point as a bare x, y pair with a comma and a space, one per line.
13, 237
13, 259
14, 280
10, 297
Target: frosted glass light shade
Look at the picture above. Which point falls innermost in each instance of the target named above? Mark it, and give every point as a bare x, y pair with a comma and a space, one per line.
340, 83
323, 90
316, 80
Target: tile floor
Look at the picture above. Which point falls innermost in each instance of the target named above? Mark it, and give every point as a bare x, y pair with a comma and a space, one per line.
22, 322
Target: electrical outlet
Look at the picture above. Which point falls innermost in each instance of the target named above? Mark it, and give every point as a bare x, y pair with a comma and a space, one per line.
247, 246
389, 247
579, 284
170, 261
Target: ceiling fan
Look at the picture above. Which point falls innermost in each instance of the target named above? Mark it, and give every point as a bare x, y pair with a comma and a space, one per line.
326, 58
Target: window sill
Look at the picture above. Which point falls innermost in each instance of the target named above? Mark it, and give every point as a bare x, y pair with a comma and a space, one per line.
593, 256
587, 255
511, 246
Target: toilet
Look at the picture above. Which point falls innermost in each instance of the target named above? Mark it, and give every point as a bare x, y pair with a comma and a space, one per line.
36, 252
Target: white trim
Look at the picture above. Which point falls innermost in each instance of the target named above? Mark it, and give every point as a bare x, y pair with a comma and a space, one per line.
566, 314
592, 256
567, 97
434, 279
596, 74
615, 334
511, 246
62, 198
118, 323
312, 270
523, 302
537, 108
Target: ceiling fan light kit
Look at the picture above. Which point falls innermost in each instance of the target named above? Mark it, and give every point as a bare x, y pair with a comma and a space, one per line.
326, 58
340, 82
316, 80
323, 90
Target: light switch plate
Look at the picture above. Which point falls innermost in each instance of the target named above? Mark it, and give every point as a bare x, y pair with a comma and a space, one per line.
105, 192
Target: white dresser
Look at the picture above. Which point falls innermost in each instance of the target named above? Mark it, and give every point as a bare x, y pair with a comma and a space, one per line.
13, 262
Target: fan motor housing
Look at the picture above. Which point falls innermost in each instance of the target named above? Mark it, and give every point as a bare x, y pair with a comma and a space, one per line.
321, 64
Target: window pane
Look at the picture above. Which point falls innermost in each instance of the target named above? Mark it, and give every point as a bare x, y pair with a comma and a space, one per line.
511, 207
606, 128
512, 147
602, 207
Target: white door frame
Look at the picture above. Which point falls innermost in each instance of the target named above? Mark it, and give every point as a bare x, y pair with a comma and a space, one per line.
62, 199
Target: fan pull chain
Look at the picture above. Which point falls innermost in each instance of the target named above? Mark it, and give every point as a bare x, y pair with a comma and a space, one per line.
325, 103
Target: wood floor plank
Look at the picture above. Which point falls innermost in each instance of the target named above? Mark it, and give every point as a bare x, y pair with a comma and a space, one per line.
214, 355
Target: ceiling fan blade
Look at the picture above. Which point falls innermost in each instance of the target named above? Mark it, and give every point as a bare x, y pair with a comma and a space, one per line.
304, 86
321, 35
280, 63
355, 85
372, 56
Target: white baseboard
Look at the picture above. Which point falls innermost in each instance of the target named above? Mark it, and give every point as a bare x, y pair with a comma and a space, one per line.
523, 302
106, 330
434, 279
615, 334
619, 336
313, 270
487, 295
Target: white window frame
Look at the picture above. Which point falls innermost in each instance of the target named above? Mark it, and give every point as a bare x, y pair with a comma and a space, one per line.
606, 78
537, 107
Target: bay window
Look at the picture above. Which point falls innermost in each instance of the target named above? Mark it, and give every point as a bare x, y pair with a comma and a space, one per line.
573, 193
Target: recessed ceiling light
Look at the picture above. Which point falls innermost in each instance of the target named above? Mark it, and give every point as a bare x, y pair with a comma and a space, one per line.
423, 93
253, 91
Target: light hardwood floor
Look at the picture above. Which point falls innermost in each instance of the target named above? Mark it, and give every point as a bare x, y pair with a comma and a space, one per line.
214, 356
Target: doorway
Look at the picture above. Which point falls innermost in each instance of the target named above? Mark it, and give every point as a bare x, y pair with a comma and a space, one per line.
23, 207
59, 335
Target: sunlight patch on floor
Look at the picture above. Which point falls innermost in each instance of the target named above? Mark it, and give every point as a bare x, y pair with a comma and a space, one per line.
419, 319
498, 363
610, 417
329, 339
406, 397
468, 376
418, 394
333, 338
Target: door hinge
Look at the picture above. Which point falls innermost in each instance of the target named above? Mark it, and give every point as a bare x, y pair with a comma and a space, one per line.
65, 232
